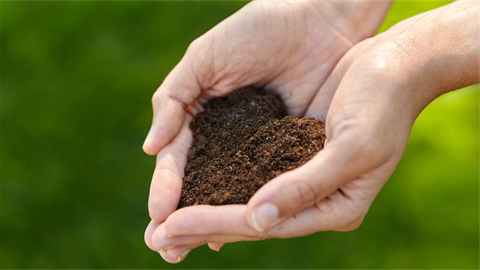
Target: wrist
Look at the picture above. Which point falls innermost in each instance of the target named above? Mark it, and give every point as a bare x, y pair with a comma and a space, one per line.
446, 52
354, 19
357, 19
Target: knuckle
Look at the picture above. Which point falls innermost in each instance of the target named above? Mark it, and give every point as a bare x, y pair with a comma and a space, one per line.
268, 234
148, 242
156, 97
277, 231
351, 226
154, 211
305, 193
193, 45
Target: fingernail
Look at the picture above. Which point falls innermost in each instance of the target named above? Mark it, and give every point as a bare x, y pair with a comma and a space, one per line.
169, 235
182, 255
148, 136
166, 248
264, 216
218, 249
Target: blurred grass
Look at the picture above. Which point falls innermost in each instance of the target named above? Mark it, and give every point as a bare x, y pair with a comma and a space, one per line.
76, 83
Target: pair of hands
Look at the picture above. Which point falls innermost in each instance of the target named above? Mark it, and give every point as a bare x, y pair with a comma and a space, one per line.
317, 56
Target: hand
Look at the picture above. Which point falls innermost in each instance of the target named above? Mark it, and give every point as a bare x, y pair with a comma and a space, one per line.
289, 47
382, 85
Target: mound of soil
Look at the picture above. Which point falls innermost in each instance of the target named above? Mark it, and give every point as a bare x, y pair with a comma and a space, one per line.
242, 141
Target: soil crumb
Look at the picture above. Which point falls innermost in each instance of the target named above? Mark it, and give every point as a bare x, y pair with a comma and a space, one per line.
242, 141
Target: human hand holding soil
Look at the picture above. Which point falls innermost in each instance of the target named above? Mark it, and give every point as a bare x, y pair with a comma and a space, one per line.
288, 47
381, 85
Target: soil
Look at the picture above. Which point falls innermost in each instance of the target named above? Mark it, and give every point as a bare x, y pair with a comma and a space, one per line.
242, 141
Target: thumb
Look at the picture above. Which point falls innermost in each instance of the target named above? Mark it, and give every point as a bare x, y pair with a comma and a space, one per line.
338, 163
174, 99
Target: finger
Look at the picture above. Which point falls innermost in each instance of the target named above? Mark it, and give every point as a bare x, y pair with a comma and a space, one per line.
172, 102
161, 240
188, 240
152, 226
176, 254
338, 163
215, 246
196, 225
188, 221
318, 108
166, 186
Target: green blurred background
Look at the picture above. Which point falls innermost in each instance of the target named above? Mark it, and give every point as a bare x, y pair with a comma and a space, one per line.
76, 84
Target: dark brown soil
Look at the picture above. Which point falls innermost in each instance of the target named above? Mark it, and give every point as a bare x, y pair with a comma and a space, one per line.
242, 141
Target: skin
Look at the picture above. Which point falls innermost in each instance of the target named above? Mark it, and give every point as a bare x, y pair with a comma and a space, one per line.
369, 91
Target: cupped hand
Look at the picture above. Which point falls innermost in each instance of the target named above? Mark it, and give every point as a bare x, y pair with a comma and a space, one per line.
382, 84
289, 47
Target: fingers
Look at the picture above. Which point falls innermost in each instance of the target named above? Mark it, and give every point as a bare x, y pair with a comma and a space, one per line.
176, 98
325, 215
340, 162
226, 220
175, 248
198, 225
169, 252
152, 226
353, 137
166, 186
318, 108
162, 240
176, 254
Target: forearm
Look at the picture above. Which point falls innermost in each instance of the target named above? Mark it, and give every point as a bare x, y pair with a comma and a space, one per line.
444, 50
452, 48
425, 56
